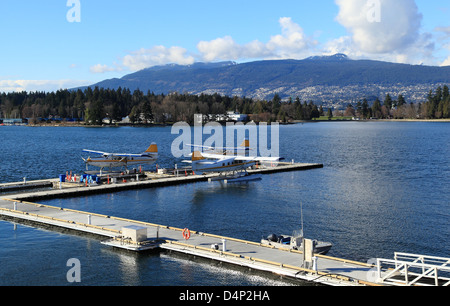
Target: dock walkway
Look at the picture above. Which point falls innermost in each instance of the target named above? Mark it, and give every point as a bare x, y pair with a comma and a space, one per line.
331, 271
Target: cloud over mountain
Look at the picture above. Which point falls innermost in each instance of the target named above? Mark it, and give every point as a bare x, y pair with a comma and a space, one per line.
38, 85
445, 38
291, 43
157, 55
386, 29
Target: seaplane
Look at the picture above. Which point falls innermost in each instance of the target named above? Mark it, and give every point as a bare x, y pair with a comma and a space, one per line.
214, 151
227, 162
115, 160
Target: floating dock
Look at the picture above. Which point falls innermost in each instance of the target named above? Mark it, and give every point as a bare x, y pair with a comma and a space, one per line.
142, 236
74, 188
23, 186
139, 236
119, 233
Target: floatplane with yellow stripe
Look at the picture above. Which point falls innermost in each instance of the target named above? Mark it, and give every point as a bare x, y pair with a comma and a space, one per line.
115, 160
227, 161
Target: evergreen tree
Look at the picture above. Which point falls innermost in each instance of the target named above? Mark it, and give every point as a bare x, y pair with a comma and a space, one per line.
314, 112
147, 111
445, 93
298, 109
329, 114
95, 112
276, 104
365, 109
359, 108
400, 100
376, 109
388, 102
320, 111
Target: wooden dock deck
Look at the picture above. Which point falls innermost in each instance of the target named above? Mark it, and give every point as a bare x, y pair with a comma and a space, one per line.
289, 263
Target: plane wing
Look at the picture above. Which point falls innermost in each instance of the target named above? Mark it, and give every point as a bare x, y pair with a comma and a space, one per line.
97, 152
218, 148
199, 147
130, 155
260, 159
245, 146
242, 158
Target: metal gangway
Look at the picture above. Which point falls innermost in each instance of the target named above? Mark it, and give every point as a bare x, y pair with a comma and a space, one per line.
414, 270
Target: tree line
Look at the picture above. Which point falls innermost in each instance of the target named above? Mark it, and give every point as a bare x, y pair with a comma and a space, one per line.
436, 106
93, 105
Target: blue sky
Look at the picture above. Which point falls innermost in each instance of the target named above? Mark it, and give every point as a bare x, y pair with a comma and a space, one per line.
42, 50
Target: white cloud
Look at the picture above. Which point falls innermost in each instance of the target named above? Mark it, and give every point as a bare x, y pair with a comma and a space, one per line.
384, 29
144, 58
225, 48
340, 45
99, 68
398, 26
387, 30
444, 30
446, 62
220, 48
38, 85
445, 33
291, 43
158, 55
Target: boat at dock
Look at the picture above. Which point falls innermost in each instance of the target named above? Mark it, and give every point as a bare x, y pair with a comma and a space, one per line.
295, 242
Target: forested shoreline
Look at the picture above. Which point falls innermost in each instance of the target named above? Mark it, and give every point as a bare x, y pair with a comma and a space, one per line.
94, 105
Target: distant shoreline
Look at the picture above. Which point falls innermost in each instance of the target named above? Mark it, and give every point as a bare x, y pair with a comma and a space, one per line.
376, 120
288, 123
416, 120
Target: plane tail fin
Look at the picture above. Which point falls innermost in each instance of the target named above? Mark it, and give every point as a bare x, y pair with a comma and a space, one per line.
152, 149
245, 143
196, 155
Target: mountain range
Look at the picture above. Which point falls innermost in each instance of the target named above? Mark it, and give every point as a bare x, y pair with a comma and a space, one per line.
325, 79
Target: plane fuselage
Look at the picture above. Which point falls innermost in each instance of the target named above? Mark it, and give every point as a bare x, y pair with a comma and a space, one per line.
117, 161
224, 165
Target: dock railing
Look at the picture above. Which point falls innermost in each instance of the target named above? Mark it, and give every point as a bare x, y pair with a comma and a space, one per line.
414, 270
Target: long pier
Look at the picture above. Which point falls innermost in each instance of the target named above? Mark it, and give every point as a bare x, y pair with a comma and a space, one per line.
138, 236
290, 263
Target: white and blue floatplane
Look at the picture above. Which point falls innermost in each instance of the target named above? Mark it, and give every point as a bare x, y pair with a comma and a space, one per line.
226, 161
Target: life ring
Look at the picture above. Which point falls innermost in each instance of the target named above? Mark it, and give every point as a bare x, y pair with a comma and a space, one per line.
186, 234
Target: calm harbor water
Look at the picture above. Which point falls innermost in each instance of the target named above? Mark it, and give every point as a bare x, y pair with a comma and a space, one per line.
385, 187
